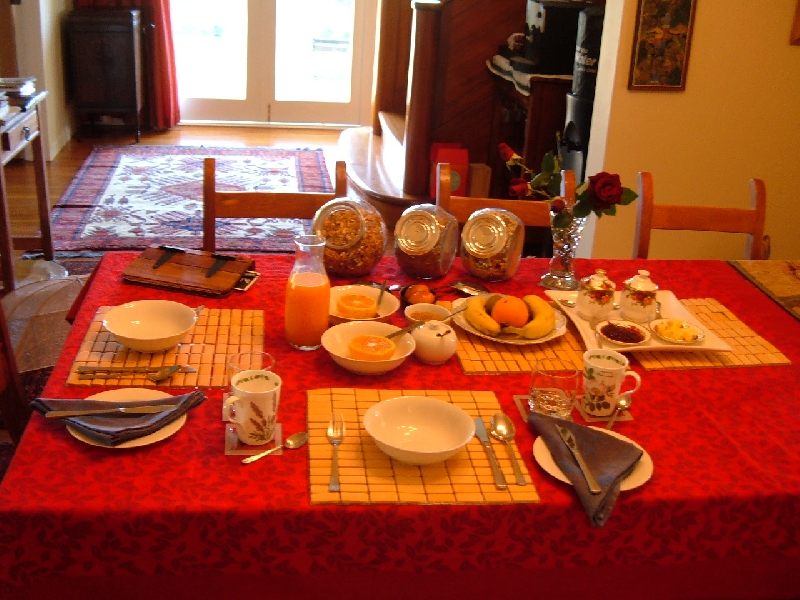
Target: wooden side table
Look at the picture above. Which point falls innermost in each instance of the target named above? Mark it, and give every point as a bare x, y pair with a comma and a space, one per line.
18, 132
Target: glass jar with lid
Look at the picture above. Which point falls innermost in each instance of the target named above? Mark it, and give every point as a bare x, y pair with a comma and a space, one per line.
596, 296
355, 236
638, 301
426, 241
491, 243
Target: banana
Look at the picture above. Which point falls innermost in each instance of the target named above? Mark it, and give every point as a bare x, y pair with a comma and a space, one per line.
543, 322
476, 315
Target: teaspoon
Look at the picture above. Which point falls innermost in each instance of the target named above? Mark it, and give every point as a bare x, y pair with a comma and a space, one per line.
293, 442
623, 403
502, 428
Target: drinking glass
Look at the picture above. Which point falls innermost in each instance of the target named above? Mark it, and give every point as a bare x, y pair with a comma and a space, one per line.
553, 392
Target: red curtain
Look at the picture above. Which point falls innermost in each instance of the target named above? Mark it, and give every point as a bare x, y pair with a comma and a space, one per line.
162, 81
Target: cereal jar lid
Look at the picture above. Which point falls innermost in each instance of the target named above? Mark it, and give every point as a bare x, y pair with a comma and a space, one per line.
641, 282
341, 223
417, 231
485, 232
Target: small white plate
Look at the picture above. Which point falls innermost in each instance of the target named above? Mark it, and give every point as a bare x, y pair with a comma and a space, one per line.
640, 475
691, 326
461, 321
625, 324
123, 394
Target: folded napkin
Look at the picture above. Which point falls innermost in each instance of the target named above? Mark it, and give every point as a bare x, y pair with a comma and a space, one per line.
114, 429
610, 460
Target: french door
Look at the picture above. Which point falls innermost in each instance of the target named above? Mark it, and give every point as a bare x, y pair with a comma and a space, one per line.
274, 61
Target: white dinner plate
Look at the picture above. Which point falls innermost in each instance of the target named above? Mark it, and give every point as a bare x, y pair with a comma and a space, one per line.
461, 321
123, 394
640, 474
671, 308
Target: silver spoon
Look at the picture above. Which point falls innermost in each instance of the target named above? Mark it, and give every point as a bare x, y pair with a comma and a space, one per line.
502, 428
567, 303
293, 442
469, 287
623, 403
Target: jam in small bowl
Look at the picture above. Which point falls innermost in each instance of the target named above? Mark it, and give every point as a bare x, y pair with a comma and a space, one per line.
623, 333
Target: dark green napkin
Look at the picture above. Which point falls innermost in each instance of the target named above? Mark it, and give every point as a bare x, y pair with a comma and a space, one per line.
115, 429
610, 460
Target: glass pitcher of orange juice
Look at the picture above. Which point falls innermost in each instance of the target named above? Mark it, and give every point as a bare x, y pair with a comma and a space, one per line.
308, 294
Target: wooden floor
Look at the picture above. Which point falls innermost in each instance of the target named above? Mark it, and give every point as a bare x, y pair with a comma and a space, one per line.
20, 176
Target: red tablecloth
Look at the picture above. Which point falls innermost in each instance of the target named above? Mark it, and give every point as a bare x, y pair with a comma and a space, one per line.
719, 518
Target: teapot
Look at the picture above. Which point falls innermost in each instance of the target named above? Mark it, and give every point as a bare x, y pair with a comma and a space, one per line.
435, 341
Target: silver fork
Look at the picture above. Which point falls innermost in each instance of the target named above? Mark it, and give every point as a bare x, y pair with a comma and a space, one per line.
335, 435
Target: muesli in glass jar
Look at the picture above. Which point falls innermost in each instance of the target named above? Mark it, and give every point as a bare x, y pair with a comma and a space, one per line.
355, 236
426, 241
491, 244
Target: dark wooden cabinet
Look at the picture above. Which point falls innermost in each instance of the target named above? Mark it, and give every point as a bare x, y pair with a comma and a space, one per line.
104, 51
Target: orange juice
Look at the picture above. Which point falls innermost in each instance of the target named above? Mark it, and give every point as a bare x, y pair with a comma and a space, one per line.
307, 309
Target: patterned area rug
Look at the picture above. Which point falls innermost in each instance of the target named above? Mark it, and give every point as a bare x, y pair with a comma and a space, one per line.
129, 197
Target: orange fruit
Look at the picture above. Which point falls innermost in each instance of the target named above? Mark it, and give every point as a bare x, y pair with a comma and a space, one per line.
371, 347
510, 310
356, 306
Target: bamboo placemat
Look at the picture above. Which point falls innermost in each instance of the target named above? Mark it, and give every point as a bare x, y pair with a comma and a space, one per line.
479, 356
368, 476
748, 348
218, 333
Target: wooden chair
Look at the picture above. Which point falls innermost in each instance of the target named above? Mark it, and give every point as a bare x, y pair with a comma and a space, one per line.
219, 204
14, 407
702, 218
530, 212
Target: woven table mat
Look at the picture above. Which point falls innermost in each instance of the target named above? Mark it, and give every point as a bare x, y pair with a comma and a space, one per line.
368, 476
748, 348
218, 333
480, 356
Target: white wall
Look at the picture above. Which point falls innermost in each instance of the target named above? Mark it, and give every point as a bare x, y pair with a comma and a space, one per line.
738, 118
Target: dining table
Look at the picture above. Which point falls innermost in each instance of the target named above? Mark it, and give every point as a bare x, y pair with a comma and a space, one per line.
718, 517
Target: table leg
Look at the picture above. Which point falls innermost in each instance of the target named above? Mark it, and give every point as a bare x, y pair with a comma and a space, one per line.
43, 197
6, 250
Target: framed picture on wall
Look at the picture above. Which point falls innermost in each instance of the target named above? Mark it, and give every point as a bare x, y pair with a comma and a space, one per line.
660, 56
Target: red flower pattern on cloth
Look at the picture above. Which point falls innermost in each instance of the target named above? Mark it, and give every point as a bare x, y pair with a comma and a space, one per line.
725, 487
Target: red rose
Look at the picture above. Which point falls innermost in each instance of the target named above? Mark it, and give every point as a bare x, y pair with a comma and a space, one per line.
557, 205
605, 190
506, 152
518, 187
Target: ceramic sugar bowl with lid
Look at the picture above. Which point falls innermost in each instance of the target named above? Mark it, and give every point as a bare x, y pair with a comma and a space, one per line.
435, 341
638, 301
596, 296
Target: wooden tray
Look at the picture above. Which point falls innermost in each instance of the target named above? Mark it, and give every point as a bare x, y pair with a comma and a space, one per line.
368, 476
187, 270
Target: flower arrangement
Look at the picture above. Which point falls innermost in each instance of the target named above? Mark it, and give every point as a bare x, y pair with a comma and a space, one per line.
600, 194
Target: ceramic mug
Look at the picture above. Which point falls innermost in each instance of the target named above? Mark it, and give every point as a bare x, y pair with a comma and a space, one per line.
603, 374
252, 405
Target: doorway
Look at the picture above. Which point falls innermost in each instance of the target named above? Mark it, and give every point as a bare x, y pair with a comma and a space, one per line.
277, 62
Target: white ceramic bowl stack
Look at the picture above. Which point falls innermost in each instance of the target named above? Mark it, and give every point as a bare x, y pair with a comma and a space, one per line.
418, 430
337, 339
150, 325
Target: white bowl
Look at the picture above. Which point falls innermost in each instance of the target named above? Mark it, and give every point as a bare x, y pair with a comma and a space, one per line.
150, 325
389, 303
440, 312
336, 340
418, 430
630, 325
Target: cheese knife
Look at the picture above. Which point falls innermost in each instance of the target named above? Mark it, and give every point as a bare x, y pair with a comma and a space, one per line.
572, 444
483, 436
133, 410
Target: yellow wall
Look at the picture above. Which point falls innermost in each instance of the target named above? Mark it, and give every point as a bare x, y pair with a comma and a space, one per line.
738, 118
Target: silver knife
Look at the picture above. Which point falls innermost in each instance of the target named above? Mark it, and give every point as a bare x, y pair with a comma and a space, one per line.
483, 436
572, 444
135, 410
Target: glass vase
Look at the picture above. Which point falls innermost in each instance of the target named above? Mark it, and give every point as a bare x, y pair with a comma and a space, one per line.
561, 275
